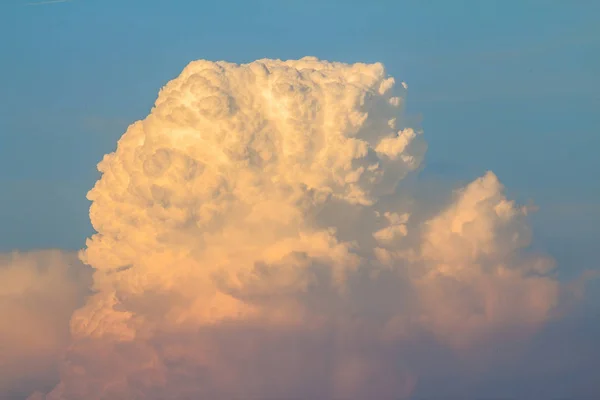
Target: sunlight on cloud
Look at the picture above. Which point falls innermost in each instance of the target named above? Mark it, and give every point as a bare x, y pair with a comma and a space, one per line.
252, 242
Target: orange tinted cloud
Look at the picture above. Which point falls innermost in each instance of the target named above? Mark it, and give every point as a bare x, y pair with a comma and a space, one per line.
251, 242
38, 293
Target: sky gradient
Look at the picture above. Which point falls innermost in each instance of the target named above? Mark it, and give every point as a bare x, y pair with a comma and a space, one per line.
512, 87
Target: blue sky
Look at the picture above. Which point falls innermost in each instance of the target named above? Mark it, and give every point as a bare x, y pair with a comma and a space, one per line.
510, 86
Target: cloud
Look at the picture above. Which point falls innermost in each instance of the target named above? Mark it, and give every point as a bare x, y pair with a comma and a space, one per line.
253, 242
38, 293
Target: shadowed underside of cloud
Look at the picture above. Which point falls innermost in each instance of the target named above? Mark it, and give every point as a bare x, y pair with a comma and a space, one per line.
253, 242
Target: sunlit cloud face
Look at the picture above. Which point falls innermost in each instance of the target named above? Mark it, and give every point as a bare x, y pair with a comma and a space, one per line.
253, 242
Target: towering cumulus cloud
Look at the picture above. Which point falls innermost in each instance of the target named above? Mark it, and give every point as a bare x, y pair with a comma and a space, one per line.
253, 243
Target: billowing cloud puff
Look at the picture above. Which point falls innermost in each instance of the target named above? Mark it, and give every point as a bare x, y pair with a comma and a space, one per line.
473, 279
38, 293
252, 242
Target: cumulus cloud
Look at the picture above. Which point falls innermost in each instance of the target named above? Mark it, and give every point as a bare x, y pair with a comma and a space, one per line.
38, 293
253, 242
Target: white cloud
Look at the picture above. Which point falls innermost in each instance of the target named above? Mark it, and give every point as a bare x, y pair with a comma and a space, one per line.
251, 243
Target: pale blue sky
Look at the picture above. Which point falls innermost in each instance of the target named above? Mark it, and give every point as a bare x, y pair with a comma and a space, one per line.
511, 86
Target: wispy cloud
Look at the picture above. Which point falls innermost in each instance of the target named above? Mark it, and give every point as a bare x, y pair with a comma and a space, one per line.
39, 3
